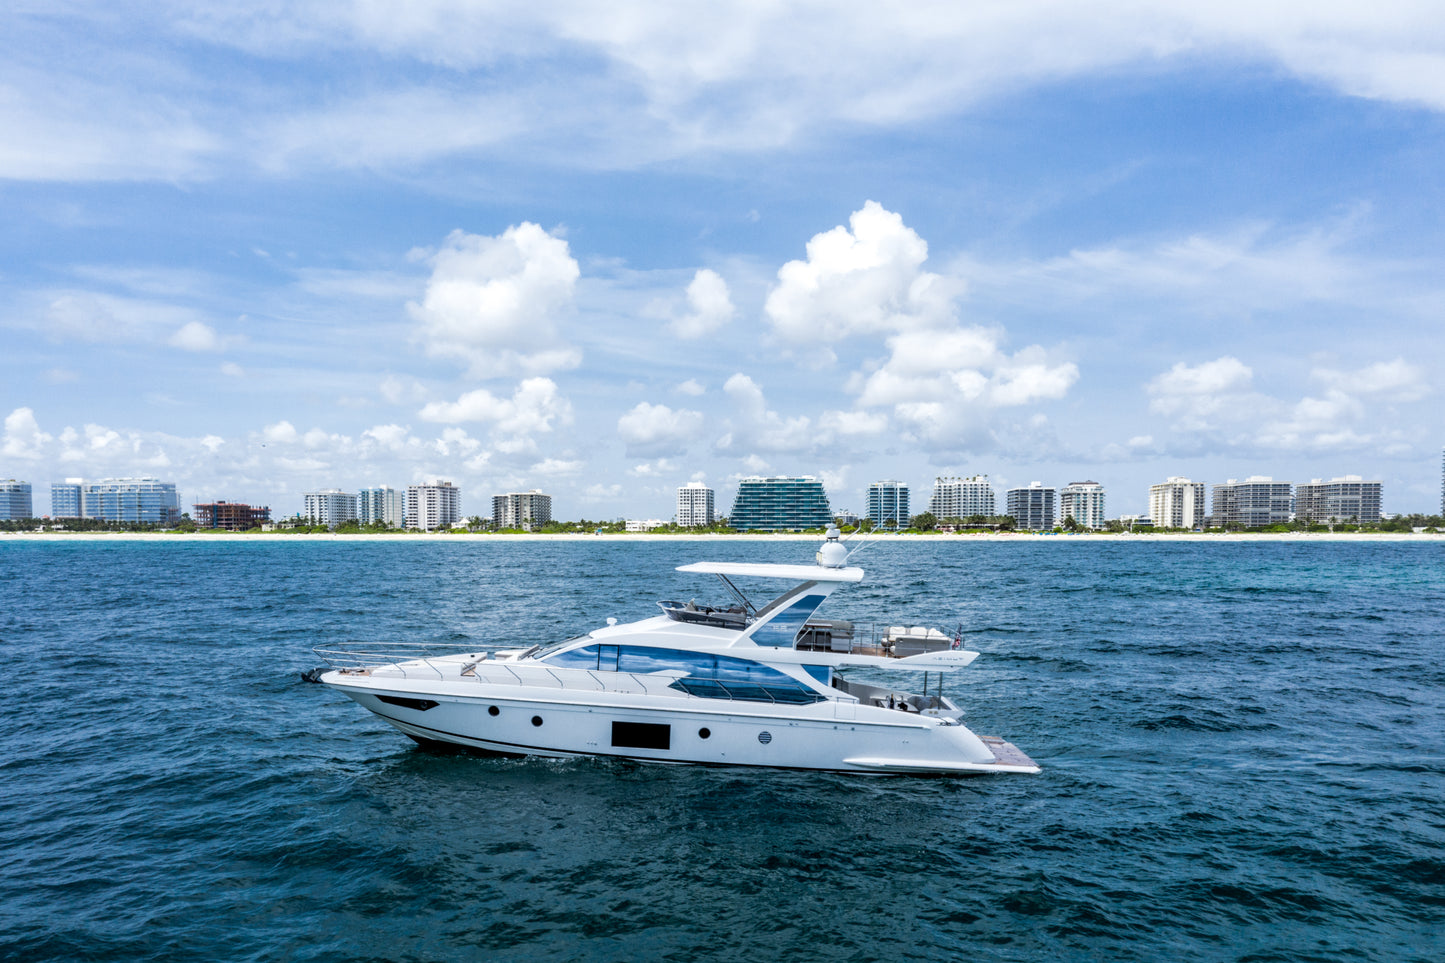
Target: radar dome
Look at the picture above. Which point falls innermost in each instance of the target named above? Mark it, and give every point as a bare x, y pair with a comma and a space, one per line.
832, 554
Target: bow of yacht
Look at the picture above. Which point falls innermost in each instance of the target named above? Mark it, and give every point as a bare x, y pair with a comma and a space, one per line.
706, 685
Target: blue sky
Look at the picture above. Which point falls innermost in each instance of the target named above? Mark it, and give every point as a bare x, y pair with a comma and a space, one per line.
604, 252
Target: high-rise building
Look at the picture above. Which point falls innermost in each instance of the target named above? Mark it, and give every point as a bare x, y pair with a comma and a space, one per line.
888, 504
131, 500
1350, 498
65, 498
1176, 502
382, 505
962, 497
230, 516
1083, 502
780, 503
521, 509
1253, 503
433, 506
15, 500
695, 506
331, 507
1032, 508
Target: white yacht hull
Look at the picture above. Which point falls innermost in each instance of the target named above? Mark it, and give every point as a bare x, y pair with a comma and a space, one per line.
824, 736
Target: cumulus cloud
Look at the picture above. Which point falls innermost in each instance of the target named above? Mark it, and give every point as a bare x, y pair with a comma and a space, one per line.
657, 429
865, 278
941, 378
558, 466
535, 407
494, 302
709, 304
1396, 380
195, 336
755, 427
1216, 402
692, 388
23, 437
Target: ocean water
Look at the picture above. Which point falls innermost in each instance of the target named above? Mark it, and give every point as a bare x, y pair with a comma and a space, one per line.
1243, 748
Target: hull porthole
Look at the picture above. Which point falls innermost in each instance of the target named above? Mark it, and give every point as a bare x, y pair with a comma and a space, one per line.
536, 720
493, 711
704, 733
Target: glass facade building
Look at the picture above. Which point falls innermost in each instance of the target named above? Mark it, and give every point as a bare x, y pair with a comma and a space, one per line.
131, 500
381, 505
65, 498
780, 503
15, 500
888, 504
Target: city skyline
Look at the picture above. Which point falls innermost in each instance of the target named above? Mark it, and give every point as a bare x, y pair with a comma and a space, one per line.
393, 243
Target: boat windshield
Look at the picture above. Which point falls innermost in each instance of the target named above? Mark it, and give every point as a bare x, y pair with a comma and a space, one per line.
555, 647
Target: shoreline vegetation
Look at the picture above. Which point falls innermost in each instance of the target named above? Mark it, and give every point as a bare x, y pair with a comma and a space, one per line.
459, 535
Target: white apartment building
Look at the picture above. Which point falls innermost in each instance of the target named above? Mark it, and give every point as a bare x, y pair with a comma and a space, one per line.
382, 505
642, 524
331, 507
695, 506
1083, 502
433, 506
1350, 498
1177, 502
1032, 508
521, 509
961, 497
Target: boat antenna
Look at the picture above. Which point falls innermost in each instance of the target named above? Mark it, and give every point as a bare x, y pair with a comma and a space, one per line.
863, 541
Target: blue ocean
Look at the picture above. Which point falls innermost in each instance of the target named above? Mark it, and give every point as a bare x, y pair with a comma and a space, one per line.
1243, 751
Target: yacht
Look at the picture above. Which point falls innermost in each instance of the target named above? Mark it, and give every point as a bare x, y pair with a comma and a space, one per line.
737, 685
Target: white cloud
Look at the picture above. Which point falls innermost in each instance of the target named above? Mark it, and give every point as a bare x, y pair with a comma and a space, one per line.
534, 407
657, 429
23, 437
1396, 380
853, 422
232, 370
662, 467
281, 433
692, 388
941, 378
1216, 402
709, 303
493, 302
195, 336
631, 83
558, 466
755, 427
866, 278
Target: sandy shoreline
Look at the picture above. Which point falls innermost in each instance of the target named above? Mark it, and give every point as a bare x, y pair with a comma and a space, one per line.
769, 537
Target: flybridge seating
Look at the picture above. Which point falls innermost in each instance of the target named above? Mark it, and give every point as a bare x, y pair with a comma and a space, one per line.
871, 638
815, 634
733, 617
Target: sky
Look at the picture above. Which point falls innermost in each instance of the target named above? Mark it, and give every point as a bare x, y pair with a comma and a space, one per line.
264, 248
